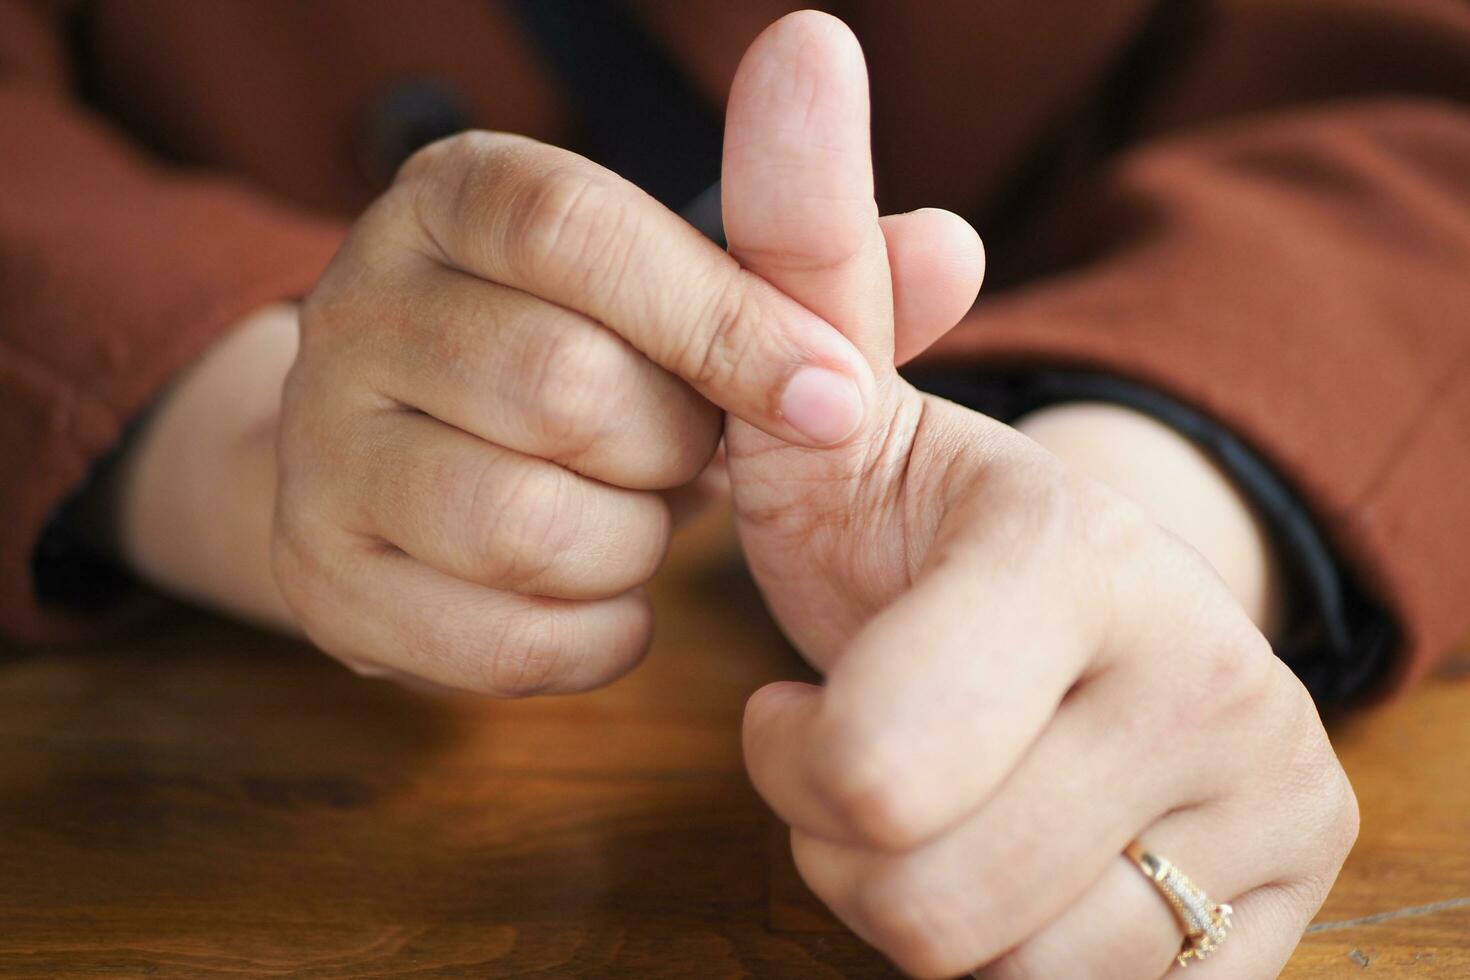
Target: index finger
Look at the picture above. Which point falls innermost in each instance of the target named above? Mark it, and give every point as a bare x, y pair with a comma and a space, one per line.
551, 223
931, 706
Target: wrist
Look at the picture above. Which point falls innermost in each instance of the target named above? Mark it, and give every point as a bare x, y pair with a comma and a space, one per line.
1180, 488
187, 506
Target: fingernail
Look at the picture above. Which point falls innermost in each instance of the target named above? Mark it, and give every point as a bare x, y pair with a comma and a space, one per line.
822, 405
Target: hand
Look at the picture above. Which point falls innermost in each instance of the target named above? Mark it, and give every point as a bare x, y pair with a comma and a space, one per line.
514, 351
1023, 672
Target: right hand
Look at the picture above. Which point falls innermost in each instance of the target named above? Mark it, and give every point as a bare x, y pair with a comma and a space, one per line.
512, 354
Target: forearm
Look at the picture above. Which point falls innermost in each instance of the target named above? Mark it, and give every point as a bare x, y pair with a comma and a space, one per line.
189, 504
1179, 486
120, 275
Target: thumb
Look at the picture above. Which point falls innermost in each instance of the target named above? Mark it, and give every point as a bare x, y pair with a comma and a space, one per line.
937, 261
797, 194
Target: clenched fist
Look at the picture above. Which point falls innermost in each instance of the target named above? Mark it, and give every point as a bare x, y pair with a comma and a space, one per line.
1024, 673
513, 353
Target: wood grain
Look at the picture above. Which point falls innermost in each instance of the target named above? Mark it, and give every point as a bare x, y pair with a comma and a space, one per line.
207, 801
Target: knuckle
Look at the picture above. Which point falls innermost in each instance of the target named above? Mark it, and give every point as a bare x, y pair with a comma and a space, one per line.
1075, 534
525, 666
511, 654
291, 567
577, 377
1234, 669
525, 519
297, 435
431, 157
327, 307
1320, 779
453, 182
1222, 680
1119, 525
869, 791
1347, 820
306, 581
593, 412
564, 218
710, 354
1308, 777
359, 294
457, 155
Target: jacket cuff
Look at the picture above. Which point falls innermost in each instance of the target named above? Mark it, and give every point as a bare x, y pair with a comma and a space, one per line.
1337, 640
64, 425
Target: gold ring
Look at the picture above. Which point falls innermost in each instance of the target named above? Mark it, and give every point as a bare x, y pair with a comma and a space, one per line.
1204, 924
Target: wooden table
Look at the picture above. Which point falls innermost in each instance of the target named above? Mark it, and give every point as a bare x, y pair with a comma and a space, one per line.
208, 801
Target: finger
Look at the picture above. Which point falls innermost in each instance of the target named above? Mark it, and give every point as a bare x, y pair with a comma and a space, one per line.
1269, 843
963, 672
498, 518
1123, 929
1119, 929
698, 495
1025, 856
528, 375
797, 178
937, 262
1108, 764
553, 224
375, 604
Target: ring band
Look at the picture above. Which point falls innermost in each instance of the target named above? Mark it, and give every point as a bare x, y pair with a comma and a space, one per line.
1205, 925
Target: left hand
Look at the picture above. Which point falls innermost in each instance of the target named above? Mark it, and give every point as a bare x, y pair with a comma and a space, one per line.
1023, 672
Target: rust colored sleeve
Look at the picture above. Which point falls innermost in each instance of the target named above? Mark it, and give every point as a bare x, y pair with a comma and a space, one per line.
1302, 276
115, 272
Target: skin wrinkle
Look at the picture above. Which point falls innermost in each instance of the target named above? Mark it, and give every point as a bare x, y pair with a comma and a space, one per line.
548, 213
613, 230
716, 359
888, 453
964, 460
461, 346
902, 436
499, 505
834, 256
571, 405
